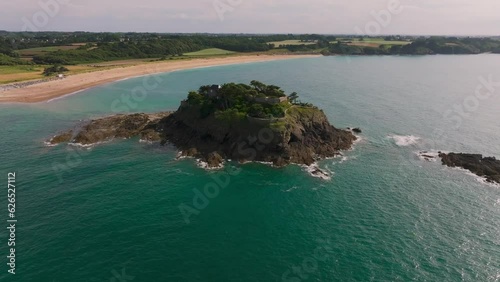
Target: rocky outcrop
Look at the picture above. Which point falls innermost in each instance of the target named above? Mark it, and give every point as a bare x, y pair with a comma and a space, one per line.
214, 160
487, 167
355, 130
63, 137
118, 126
302, 137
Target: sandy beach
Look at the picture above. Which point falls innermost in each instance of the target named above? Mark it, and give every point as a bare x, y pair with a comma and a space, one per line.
52, 89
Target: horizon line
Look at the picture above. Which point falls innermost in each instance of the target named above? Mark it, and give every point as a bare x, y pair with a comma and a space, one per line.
259, 33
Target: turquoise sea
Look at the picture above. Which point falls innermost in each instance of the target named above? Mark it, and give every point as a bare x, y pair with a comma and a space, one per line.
111, 212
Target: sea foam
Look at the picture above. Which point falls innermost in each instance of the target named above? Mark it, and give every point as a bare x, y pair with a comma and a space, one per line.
478, 178
204, 165
404, 140
48, 144
315, 171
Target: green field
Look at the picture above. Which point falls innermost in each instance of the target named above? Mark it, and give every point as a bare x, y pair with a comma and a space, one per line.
371, 42
290, 42
19, 68
210, 52
381, 41
41, 50
17, 73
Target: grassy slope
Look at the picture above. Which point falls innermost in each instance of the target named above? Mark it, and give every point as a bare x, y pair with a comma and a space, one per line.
290, 42
11, 74
41, 50
372, 42
210, 52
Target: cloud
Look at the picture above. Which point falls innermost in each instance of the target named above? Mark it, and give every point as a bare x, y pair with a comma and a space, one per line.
259, 16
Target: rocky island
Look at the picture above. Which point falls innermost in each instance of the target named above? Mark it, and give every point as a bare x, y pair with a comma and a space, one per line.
487, 167
240, 122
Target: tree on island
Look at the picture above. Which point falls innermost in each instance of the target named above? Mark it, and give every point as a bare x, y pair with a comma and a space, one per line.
293, 97
259, 86
257, 110
238, 100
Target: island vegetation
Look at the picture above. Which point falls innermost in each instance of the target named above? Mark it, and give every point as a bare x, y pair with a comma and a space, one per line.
237, 101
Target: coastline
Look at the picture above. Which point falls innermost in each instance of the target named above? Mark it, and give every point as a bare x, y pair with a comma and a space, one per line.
46, 91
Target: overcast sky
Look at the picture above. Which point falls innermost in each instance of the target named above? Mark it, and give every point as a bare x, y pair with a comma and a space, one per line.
424, 17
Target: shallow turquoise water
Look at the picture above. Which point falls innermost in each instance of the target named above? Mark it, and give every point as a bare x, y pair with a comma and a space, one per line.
97, 214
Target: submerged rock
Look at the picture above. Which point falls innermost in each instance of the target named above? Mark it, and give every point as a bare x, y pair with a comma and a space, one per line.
428, 156
214, 160
487, 167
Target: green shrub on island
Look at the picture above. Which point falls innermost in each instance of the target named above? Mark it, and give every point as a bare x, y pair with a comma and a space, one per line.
257, 110
233, 101
230, 115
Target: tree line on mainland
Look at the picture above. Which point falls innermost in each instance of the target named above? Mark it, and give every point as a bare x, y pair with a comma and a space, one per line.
98, 47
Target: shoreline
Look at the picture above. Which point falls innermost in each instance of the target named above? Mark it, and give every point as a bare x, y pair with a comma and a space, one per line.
73, 84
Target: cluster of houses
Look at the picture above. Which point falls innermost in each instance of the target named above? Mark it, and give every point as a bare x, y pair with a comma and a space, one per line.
214, 92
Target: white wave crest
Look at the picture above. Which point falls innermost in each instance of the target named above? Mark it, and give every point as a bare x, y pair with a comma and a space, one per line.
204, 165
315, 171
481, 179
404, 140
48, 144
85, 145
